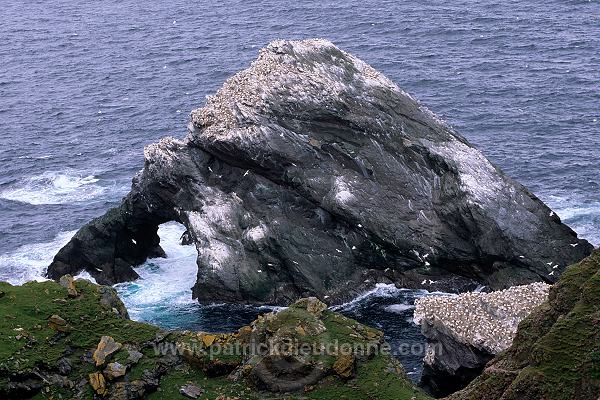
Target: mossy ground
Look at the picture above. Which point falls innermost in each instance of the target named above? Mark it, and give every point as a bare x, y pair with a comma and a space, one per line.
29, 346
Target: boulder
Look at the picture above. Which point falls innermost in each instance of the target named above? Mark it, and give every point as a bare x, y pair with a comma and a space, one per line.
312, 174
464, 332
114, 370
98, 383
106, 347
191, 391
68, 282
57, 323
344, 366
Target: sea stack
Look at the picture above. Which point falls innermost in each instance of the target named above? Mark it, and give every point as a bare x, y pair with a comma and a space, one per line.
312, 174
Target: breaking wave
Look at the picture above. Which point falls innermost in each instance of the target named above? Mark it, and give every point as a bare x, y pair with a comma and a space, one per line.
582, 216
55, 188
29, 262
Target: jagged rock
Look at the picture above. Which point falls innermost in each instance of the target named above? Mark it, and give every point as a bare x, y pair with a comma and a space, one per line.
556, 351
309, 173
58, 324
134, 356
114, 370
191, 391
464, 332
68, 282
110, 300
312, 305
98, 383
64, 366
106, 347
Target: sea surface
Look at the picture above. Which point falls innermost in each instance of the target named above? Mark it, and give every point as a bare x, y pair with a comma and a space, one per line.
84, 86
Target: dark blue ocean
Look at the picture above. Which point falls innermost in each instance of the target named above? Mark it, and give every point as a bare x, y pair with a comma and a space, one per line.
84, 86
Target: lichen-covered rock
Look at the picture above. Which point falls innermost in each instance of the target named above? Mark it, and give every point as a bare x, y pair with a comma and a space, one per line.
464, 332
98, 383
68, 282
556, 352
312, 174
344, 365
106, 347
57, 323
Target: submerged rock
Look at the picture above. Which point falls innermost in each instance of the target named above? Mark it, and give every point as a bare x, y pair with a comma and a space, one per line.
464, 332
312, 174
556, 351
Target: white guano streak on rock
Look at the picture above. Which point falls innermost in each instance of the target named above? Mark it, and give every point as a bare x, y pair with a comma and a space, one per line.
480, 180
209, 225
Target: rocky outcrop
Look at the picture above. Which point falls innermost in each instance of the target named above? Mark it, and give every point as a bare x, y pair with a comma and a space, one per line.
556, 352
312, 174
302, 352
464, 332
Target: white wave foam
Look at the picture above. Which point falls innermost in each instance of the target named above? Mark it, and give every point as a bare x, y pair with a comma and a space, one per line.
164, 282
86, 275
380, 290
55, 188
29, 262
399, 308
583, 217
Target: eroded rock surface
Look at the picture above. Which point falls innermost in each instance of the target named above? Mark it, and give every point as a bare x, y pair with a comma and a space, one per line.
464, 332
312, 174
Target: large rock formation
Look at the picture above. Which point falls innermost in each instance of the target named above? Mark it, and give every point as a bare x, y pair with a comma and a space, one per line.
56, 346
464, 332
556, 352
310, 173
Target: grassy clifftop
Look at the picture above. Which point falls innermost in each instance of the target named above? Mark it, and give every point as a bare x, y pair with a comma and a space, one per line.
556, 353
74, 340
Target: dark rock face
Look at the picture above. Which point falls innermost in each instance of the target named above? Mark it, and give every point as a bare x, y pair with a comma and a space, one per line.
455, 367
312, 174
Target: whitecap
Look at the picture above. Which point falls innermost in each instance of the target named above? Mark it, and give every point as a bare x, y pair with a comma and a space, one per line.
164, 282
55, 188
86, 275
582, 216
29, 262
